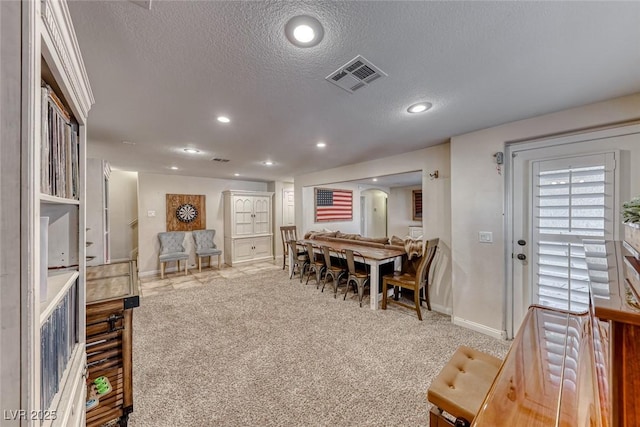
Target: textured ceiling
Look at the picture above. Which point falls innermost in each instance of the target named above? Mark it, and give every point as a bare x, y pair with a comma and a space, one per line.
161, 76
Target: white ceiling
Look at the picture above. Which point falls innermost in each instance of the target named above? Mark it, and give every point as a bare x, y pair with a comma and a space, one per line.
160, 77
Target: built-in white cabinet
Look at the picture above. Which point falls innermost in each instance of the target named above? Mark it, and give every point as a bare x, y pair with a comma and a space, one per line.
43, 365
98, 173
248, 232
415, 232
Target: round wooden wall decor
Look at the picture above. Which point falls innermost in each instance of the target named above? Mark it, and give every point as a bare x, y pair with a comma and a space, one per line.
186, 213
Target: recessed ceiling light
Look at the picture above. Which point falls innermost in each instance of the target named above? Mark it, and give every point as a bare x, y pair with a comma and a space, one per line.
268, 163
128, 143
304, 31
175, 168
236, 174
375, 179
224, 119
321, 145
191, 150
420, 107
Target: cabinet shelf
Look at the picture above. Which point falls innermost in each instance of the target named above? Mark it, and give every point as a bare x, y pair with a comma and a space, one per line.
47, 198
57, 285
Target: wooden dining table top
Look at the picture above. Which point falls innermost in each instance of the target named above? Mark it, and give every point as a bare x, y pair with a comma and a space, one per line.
368, 252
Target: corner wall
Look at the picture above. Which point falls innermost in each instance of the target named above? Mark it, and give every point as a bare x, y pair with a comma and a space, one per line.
400, 209
477, 204
123, 214
152, 191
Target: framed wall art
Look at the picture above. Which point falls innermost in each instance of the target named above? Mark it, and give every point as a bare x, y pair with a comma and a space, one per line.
416, 204
186, 212
333, 205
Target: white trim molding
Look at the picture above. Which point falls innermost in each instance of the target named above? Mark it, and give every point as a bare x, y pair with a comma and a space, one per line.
60, 32
495, 333
441, 309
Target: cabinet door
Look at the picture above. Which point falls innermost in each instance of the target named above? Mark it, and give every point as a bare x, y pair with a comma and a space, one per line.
262, 215
243, 216
242, 249
262, 247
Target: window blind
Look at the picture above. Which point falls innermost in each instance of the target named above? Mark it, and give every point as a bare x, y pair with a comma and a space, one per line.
570, 204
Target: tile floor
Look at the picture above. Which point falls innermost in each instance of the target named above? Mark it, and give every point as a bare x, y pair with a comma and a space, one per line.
153, 285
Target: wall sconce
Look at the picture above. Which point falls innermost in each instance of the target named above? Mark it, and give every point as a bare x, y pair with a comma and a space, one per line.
433, 175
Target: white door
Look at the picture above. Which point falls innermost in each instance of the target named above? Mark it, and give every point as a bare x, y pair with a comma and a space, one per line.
557, 202
243, 211
262, 247
261, 215
288, 208
242, 249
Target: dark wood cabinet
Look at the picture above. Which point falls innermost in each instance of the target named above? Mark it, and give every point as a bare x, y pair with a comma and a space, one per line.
112, 294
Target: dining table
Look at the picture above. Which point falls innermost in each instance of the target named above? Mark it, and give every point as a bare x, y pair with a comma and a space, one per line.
380, 260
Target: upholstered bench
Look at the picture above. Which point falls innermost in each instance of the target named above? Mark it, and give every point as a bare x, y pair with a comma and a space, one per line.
461, 386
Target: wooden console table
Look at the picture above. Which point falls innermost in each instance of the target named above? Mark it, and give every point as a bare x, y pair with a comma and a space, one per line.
576, 369
112, 293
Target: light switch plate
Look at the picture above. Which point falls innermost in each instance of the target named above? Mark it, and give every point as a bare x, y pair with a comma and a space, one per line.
151, 213
485, 237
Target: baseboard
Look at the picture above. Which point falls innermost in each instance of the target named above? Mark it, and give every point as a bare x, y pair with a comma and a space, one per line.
495, 333
441, 309
166, 270
119, 260
149, 273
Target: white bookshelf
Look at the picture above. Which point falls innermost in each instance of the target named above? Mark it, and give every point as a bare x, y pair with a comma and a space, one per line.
50, 52
58, 285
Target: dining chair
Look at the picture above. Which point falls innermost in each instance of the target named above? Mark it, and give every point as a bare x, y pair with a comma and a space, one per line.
288, 233
335, 271
316, 264
205, 246
300, 260
172, 249
359, 277
414, 282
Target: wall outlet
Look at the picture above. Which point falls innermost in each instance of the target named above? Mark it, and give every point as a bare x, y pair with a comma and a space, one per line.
485, 237
151, 214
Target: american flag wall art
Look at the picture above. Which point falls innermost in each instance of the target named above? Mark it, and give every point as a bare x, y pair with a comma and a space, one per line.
333, 205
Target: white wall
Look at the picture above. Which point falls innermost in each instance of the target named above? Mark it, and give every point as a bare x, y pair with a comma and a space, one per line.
94, 212
123, 214
436, 220
152, 191
400, 214
477, 199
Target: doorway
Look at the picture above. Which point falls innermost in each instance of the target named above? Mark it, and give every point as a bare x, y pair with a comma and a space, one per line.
373, 213
559, 192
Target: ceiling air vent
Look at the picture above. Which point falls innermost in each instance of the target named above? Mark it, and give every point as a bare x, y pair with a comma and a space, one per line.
218, 159
355, 74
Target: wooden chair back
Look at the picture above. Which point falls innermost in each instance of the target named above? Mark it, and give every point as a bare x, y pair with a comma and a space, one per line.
288, 233
428, 254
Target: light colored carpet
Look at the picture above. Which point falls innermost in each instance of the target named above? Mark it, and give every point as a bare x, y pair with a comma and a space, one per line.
256, 349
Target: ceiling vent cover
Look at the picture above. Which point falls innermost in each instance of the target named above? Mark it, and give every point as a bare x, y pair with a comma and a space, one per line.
355, 74
218, 159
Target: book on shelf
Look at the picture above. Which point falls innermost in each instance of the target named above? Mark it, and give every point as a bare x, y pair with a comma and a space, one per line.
58, 337
59, 149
